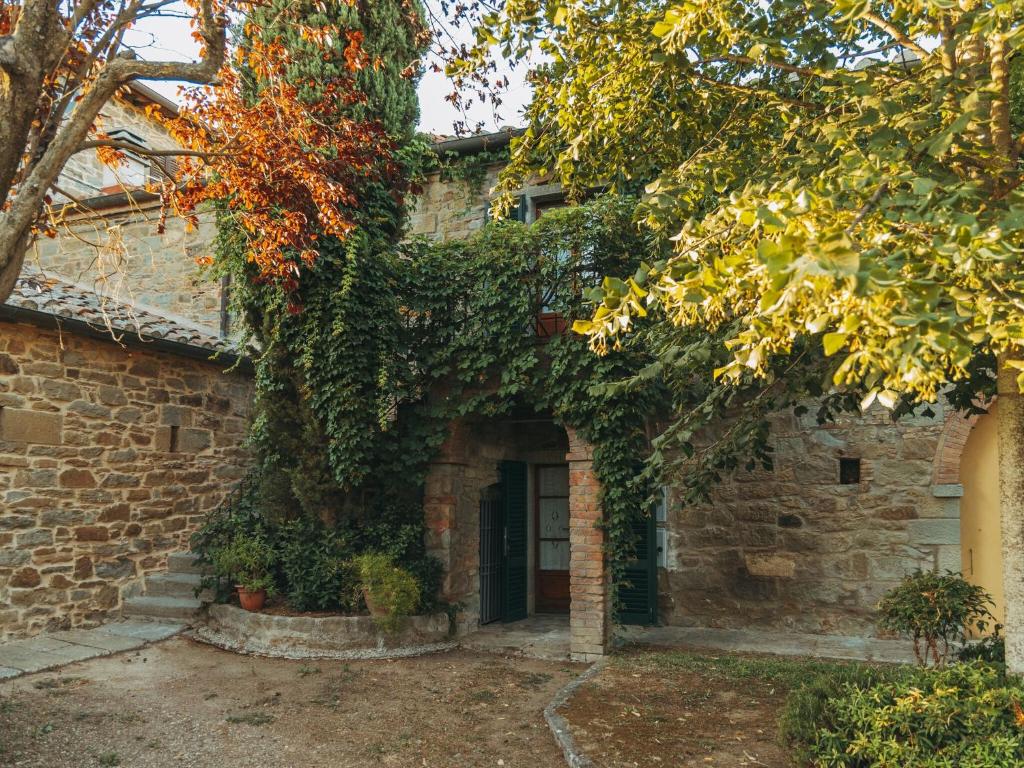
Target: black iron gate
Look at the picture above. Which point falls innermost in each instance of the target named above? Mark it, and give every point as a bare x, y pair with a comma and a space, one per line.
492, 551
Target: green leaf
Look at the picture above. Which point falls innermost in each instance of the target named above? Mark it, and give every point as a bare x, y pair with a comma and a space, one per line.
833, 342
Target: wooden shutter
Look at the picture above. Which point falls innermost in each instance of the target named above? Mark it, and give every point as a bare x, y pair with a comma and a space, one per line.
513, 490
519, 213
638, 588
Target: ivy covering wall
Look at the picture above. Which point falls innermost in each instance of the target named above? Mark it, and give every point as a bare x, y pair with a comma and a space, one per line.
350, 416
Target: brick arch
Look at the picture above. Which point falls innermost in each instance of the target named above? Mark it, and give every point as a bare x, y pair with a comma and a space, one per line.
946, 466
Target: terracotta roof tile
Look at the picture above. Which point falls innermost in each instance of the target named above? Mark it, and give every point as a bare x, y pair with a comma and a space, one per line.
48, 293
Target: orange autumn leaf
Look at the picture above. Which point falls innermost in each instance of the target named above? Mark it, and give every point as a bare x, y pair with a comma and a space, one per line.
285, 167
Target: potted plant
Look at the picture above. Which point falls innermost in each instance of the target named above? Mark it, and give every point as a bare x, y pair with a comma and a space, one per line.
390, 592
248, 561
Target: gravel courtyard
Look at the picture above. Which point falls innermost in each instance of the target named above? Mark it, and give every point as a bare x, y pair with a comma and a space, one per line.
182, 704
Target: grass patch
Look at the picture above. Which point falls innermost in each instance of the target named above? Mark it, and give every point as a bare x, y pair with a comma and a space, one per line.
785, 672
251, 718
533, 680
108, 759
56, 683
809, 684
483, 697
305, 670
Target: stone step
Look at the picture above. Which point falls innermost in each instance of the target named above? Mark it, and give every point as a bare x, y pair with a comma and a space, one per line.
162, 607
176, 585
185, 562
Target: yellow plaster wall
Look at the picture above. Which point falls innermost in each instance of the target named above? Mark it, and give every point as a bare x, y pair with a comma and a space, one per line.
980, 536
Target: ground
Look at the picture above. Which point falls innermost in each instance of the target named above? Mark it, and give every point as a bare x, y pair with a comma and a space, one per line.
187, 705
679, 709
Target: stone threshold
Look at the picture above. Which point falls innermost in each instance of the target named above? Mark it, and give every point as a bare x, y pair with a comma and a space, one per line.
55, 649
779, 642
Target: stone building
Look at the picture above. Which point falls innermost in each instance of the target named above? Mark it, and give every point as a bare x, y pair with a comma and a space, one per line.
848, 509
109, 237
97, 491
118, 431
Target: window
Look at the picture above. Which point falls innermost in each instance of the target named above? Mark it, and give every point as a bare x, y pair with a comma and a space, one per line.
134, 171
553, 517
849, 471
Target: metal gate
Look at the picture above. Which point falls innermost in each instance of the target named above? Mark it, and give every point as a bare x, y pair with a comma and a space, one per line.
492, 555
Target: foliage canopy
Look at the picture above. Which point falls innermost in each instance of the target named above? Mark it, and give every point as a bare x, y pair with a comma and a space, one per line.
843, 174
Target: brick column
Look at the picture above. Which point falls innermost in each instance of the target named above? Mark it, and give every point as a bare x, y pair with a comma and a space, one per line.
588, 576
440, 505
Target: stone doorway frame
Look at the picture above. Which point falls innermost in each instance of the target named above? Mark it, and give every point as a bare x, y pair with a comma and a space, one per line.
451, 513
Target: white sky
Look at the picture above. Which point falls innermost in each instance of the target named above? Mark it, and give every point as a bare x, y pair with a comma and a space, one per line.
169, 38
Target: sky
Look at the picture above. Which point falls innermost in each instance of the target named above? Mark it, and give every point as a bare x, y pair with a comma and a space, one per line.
169, 38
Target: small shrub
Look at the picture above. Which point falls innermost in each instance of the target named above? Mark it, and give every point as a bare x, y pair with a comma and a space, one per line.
991, 649
247, 560
935, 610
809, 705
961, 715
313, 563
390, 588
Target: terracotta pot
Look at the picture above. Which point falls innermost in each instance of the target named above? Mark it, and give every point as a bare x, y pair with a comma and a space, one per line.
374, 608
251, 601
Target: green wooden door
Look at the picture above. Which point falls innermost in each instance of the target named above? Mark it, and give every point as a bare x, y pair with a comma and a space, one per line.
638, 588
513, 489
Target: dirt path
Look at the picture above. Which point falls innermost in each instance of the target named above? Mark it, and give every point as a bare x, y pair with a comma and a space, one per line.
639, 713
187, 705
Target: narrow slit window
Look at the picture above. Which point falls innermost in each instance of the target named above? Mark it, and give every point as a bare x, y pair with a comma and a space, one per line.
849, 471
174, 439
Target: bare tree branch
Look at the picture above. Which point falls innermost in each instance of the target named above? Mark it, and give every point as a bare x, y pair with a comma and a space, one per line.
144, 151
35, 89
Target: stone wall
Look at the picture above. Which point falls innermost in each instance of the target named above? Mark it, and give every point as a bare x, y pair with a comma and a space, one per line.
120, 253
793, 548
451, 210
84, 176
109, 457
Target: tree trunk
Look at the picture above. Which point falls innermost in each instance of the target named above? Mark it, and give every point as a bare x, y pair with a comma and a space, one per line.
12, 262
1011, 504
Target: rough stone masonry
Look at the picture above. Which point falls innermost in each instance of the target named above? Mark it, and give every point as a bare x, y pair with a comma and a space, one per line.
109, 457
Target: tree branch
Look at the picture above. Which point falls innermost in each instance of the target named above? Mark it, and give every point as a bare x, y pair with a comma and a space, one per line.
770, 63
127, 146
1002, 138
41, 35
750, 91
896, 34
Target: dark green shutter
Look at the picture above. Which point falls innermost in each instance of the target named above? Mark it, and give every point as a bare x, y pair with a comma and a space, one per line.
638, 589
516, 213
513, 489
520, 211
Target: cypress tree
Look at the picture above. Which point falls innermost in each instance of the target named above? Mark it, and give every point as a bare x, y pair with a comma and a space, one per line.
325, 380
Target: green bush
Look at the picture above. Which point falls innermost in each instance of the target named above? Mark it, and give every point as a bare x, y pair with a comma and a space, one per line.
393, 589
809, 706
991, 649
247, 560
964, 715
935, 610
312, 565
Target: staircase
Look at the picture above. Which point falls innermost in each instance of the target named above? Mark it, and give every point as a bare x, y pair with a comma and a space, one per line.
170, 595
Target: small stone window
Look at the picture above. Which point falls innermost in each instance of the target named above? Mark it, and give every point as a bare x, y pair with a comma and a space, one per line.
849, 471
